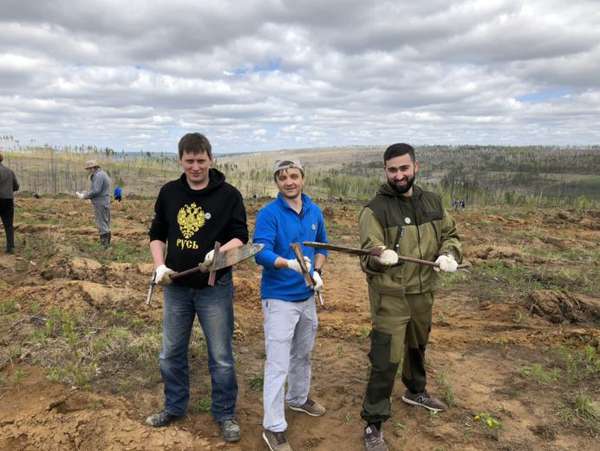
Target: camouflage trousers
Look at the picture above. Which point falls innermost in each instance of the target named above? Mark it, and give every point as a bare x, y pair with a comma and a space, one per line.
399, 341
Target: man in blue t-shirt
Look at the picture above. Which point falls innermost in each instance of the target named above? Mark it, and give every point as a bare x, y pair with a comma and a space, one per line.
290, 316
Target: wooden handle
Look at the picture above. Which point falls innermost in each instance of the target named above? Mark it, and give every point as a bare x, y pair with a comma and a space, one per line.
213, 274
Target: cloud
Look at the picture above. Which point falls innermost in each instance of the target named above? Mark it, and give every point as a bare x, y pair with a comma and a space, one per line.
259, 75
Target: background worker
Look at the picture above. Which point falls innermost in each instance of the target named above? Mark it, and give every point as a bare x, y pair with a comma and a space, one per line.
99, 194
8, 185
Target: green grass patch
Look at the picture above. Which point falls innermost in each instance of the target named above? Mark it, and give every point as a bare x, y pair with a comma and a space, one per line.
580, 364
540, 374
451, 279
8, 307
581, 412
445, 387
201, 406
119, 251
256, 383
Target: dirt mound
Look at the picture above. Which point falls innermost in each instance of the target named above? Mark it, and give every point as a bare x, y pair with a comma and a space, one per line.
55, 418
495, 252
590, 223
77, 296
561, 307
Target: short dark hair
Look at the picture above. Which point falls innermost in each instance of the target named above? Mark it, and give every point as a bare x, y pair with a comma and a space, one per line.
194, 143
397, 150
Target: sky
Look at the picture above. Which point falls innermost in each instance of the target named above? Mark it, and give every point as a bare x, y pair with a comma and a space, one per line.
276, 74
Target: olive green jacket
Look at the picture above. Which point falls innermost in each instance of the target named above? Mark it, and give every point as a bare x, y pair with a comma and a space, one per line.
416, 226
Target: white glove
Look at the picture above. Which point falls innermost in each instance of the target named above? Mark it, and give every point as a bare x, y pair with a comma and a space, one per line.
80, 195
388, 257
208, 258
446, 263
162, 275
293, 264
318, 281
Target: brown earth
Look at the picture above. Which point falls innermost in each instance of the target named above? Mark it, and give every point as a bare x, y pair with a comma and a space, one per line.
530, 291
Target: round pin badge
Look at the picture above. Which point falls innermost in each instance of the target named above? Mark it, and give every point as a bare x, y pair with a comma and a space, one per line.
407, 220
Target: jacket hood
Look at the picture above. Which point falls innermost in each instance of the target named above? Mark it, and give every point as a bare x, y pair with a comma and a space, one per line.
215, 179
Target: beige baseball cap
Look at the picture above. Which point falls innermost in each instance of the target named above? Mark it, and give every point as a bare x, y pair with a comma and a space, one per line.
287, 164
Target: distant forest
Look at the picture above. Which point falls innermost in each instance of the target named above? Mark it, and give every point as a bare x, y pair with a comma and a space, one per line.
530, 175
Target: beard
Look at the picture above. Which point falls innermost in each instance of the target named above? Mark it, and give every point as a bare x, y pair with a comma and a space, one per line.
402, 189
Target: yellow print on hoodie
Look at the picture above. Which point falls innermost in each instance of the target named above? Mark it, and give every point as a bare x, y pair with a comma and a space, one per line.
190, 218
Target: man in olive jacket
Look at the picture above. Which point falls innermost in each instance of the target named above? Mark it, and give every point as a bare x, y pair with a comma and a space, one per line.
402, 219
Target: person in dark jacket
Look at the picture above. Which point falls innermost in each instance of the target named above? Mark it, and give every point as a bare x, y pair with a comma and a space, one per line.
190, 215
402, 219
8, 185
99, 194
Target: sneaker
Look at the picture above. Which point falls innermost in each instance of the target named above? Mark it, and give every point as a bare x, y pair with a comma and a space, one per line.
374, 439
230, 430
310, 407
161, 419
276, 441
424, 400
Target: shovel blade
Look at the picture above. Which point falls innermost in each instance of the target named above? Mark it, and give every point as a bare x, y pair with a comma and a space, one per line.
234, 256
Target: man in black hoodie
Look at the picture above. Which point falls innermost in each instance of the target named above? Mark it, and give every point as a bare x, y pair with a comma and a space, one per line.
191, 214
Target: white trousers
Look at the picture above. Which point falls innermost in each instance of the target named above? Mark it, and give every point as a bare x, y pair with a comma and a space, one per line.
290, 331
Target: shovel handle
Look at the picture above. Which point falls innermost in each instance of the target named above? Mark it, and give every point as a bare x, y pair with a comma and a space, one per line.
213, 274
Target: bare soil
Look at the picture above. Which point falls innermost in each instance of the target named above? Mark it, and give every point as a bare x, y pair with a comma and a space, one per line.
530, 292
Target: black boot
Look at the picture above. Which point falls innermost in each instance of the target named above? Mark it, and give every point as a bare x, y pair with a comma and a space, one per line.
108, 237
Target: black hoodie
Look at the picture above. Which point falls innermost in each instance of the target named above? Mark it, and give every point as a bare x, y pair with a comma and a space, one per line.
190, 221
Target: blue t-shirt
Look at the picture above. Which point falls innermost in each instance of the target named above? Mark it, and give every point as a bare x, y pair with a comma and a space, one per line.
278, 226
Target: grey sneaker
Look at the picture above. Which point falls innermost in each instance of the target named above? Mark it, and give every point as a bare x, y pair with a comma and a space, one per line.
310, 407
230, 430
424, 400
276, 441
161, 419
374, 439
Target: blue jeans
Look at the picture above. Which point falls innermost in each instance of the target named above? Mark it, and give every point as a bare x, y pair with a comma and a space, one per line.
214, 308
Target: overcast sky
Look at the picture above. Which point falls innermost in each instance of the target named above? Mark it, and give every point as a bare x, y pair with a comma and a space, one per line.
273, 74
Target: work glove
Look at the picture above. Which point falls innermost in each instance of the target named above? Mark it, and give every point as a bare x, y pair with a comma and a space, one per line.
80, 195
387, 258
293, 264
208, 259
446, 263
162, 275
318, 281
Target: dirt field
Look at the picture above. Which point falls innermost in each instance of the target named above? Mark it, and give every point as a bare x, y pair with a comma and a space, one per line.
515, 347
